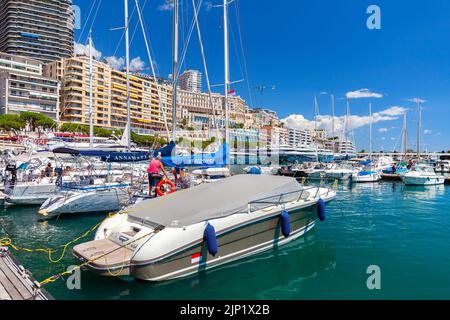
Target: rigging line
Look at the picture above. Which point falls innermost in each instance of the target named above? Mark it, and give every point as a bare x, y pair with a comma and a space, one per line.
236, 52
208, 83
153, 68
87, 19
244, 57
124, 31
184, 52
96, 13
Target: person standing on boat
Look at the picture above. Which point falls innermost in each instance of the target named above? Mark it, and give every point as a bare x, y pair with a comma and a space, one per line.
153, 173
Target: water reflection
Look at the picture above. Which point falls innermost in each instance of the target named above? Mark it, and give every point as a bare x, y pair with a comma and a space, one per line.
423, 192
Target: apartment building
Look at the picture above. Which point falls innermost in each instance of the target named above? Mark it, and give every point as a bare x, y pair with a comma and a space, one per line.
299, 138
39, 29
109, 96
24, 88
191, 81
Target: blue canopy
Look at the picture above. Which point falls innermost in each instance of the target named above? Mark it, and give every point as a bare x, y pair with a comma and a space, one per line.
219, 159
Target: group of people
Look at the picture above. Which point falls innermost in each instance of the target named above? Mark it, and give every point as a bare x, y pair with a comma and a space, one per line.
156, 172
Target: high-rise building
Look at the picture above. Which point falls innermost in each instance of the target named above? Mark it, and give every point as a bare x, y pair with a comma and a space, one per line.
39, 29
191, 80
24, 88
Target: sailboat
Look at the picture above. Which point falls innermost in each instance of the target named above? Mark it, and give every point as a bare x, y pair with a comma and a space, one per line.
368, 173
206, 226
101, 196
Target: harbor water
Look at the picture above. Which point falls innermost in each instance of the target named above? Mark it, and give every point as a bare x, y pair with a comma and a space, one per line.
402, 230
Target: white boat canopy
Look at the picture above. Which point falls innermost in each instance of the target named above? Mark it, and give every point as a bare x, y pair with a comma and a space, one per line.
216, 200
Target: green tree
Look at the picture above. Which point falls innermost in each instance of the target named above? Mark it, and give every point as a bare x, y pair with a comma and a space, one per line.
37, 120
10, 122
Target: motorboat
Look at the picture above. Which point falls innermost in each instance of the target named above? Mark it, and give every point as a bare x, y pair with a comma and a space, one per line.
204, 227
262, 170
209, 175
442, 166
341, 173
422, 175
366, 175
109, 197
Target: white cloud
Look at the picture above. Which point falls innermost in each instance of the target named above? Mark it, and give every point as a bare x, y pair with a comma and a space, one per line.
166, 6
137, 65
363, 93
417, 100
83, 50
298, 121
115, 62
383, 130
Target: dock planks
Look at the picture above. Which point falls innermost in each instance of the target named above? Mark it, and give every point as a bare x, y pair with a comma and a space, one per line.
16, 283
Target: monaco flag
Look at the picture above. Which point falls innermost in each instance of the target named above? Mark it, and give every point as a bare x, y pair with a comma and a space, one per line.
232, 92
196, 258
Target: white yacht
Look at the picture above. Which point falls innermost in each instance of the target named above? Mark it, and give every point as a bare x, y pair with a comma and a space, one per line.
204, 227
442, 166
422, 175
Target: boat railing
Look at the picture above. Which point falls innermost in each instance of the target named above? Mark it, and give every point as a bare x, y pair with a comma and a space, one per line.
284, 198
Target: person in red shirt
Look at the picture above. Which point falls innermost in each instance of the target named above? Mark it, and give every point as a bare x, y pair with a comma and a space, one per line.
153, 173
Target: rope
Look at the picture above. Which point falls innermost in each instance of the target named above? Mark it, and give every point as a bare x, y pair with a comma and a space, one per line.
56, 277
7, 242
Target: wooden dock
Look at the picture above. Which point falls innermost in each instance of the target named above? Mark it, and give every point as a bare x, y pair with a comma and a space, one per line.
16, 283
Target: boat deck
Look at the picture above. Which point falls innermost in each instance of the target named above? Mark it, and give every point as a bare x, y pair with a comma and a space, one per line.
16, 283
109, 254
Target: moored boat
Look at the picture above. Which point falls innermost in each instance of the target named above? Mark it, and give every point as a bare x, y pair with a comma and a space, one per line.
204, 227
422, 175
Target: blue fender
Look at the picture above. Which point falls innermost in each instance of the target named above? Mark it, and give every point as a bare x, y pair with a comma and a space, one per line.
286, 224
209, 235
321, 211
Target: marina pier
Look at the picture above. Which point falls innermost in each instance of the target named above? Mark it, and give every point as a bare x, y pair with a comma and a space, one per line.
16, 283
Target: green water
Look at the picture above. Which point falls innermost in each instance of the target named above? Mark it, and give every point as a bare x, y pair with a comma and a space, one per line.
405, 231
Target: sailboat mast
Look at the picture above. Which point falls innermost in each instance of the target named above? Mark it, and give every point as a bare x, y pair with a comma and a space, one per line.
405, 136
419, 128
91, 97
370, 133
127, 58
227, 67
175, 70
332, 116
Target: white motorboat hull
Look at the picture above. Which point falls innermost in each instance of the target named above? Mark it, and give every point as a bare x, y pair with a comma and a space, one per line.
69, 202
341, 176
375, 177
423, 181
30, 194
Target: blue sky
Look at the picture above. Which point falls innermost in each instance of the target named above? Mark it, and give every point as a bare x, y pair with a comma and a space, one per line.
305, 48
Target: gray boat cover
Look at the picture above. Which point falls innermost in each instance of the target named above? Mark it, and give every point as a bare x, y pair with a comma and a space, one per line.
213, 200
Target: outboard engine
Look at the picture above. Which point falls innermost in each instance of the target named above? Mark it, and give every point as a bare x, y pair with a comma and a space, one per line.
11, 176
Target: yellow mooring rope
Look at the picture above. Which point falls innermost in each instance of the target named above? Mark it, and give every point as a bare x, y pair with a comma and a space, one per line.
56, 277
7, 242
